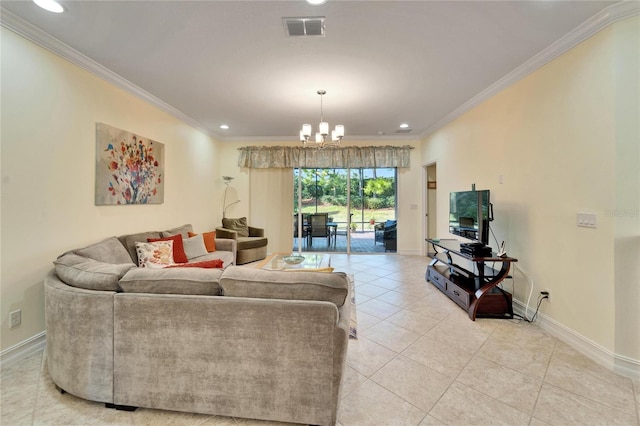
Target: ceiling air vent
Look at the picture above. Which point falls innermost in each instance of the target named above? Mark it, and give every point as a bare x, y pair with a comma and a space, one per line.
407, 130
304, 26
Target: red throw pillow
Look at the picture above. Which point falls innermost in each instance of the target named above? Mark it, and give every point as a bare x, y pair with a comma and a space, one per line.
179, 255
209, 240
215, 263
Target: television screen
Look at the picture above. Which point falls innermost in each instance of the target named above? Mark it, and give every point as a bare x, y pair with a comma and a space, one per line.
469, 215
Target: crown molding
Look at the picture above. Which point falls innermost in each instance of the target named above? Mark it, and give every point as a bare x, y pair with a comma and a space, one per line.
347, 139
606, 17
34, 34
590, 27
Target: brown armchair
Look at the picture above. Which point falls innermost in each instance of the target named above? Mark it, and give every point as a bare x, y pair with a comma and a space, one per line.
251, 244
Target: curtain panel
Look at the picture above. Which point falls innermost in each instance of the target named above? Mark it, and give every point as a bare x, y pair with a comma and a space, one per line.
291, 157
271, 206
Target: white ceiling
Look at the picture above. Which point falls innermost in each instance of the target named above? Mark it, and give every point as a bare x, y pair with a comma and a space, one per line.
381, 62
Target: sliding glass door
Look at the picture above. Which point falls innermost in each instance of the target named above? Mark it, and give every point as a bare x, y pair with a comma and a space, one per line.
360, 205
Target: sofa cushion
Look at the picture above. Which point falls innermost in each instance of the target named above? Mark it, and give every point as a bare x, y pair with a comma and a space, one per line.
179, 256
182, 230
239, 225
194, 246
130, 240
155, 255
248, 282
82, 272
245, 243
227, 257
109, 250
172, 281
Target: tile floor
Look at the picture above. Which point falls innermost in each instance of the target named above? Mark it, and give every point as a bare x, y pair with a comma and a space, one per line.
418, 361
361, 242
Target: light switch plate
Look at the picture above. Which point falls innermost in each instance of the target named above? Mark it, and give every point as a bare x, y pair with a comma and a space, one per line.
587, 220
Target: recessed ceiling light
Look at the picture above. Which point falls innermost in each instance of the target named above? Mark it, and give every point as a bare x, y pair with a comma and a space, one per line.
404, 126
50, 5
316, 2
224, 126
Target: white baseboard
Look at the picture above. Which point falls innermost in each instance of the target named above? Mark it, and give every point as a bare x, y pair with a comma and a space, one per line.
625, 366
23, 349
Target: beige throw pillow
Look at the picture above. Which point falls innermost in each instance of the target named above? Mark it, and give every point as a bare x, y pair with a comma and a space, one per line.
194, 247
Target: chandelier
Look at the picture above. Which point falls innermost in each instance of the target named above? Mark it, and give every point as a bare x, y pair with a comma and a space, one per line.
321, 139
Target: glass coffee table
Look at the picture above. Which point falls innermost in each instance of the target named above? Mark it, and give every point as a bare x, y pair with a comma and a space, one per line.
312, 261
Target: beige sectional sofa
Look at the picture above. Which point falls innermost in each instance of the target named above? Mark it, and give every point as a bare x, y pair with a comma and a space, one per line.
197, 340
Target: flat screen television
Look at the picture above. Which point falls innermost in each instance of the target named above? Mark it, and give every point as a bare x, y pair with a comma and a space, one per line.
469, 215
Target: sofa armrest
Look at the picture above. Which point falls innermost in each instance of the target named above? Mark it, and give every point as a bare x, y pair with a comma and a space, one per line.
227, 244
226, 233
256, 232
245, 338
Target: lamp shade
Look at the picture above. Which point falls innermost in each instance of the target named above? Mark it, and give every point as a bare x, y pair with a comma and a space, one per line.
306, 130
323, 128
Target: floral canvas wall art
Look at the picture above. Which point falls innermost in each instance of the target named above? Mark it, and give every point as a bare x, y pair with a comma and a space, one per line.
129, 168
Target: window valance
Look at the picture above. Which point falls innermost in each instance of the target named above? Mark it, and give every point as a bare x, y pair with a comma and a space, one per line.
266, 157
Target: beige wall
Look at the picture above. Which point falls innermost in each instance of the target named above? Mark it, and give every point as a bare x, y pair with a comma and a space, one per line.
49, 111
565, 139
409, 196
557, 138
626, 215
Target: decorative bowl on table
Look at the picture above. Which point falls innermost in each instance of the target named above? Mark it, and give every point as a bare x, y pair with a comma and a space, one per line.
293, 259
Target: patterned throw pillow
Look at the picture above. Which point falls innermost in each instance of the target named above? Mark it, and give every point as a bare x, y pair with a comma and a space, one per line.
155, 255
179, 255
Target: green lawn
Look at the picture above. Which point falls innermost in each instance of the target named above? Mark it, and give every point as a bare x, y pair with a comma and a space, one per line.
339, 215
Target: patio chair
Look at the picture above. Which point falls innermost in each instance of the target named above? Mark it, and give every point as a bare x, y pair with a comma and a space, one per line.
305, 226
386, 234
318, 228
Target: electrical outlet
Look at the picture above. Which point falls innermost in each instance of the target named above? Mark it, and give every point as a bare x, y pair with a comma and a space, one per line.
16, 318
546, 290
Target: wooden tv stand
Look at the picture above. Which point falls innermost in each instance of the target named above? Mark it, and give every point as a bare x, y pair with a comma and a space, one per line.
475, 292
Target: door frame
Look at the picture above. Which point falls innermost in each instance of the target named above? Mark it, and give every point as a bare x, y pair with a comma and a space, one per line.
425, 204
